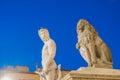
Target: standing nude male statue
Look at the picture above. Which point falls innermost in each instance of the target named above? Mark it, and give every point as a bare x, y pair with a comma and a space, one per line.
48, 54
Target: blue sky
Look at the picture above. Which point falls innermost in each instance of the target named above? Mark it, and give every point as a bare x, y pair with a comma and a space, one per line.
21, 19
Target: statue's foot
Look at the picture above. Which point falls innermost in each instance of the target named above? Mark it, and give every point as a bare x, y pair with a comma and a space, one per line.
94, 62
107, 62
90, 65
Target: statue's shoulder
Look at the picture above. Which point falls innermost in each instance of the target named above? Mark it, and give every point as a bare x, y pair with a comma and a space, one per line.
51, 42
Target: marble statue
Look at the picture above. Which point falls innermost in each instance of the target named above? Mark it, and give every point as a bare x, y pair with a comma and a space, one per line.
91, 46
48, 53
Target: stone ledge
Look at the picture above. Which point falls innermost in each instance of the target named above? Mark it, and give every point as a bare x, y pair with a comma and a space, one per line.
93, 74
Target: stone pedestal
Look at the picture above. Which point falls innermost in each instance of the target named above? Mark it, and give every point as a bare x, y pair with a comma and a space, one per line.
102, 65
93, 74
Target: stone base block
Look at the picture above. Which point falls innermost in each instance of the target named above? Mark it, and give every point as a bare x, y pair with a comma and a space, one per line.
101, 65
93, 74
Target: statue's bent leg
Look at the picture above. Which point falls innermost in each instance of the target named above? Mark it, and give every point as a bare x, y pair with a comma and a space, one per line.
51, 75
91, 47
86, 55
105, 54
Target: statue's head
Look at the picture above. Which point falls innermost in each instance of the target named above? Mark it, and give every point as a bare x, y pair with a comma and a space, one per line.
84, 25
44, 34
81, 25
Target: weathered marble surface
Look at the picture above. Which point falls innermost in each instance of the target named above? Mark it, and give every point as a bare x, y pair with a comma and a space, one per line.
48, 54
90, 73
49, 71
92, 48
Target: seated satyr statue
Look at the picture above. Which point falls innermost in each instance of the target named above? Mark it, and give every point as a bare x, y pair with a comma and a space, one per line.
48, 54
92, 48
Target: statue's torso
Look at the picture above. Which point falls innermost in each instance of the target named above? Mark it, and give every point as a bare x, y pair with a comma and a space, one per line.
45, 55
85, 37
